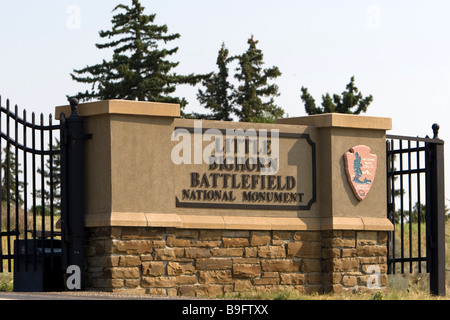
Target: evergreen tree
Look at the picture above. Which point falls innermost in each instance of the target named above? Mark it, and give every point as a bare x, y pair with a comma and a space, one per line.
139, 69
357, 167
254, 86
349, 99
8, 172
55, 168
217, 95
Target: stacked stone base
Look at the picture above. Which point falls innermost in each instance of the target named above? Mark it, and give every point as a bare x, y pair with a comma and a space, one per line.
191, 262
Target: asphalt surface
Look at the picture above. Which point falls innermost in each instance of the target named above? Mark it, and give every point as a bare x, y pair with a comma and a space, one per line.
74, 296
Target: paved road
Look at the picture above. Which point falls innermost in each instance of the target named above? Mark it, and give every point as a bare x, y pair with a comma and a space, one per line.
73, 296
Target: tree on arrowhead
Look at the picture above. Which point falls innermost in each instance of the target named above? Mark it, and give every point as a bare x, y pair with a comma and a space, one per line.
357, 167
249, 106
338, 104
139, 69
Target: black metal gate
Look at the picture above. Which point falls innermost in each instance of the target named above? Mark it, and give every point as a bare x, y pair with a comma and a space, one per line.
416, 207
30, 230
41, 213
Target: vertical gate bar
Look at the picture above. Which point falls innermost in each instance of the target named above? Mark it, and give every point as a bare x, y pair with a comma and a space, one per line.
7, 178
393, 202
419, 209
25, 189
410, 206
50, 134
33, 139
42, 187
402, 243
16, 178
428, 205
388, 201
63, 155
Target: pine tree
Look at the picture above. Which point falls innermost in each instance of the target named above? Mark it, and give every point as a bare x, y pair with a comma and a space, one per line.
139, 69
357, 167
8, 171
52, 170
217, 95
254, 86
348, 100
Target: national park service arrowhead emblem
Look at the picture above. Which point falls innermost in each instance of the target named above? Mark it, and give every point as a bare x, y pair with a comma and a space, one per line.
360, 166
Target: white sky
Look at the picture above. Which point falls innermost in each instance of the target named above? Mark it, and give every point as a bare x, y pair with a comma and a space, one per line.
398, 51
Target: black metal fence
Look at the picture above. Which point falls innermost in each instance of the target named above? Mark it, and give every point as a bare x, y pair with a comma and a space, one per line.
415, 197
30, 192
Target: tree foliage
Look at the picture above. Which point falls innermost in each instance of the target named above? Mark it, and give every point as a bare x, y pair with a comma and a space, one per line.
139, 68
217, 95
252, 98
254, 87
344, 103
52, 176
10, 169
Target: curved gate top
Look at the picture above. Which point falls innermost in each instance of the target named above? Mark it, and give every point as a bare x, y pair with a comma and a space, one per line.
30, 177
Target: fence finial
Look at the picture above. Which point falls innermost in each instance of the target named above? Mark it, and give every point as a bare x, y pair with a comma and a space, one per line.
73, 105
435, 128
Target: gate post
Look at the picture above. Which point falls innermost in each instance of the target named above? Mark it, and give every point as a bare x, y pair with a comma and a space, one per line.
436, 215
72, 217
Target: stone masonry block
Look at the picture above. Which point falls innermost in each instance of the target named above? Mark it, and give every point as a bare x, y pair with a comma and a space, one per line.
174, 242
272, 252
305, 249
164, 254
246, 270
235, 242
260, 238
215, 276
280, 265
129, 261
366, 238
210, 235
130, 233
227, 252
153, 268
120, 273
344, 264
197, 253
213, 263
129, 246
179, 268
378, 250
183, 233
292, 278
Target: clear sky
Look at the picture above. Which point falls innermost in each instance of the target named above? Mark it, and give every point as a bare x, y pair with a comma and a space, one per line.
398, 51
